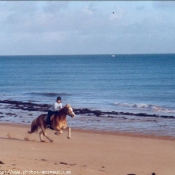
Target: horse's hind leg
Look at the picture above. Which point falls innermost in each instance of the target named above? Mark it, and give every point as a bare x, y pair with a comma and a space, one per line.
41, 133
41, 136
47, 137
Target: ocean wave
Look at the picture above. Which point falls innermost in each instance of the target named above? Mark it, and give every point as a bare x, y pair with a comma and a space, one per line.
49, 94
149, 107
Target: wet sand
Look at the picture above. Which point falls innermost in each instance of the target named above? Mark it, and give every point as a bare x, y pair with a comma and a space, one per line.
89, 119
86, 153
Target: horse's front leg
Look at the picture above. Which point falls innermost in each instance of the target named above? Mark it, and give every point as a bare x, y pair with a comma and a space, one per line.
69, 132
59, 130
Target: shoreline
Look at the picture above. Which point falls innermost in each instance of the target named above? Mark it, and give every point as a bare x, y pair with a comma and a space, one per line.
98, 121
87, 152
92, 131
29, 106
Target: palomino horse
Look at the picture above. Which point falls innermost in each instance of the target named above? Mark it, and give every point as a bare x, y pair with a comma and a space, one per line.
58, 123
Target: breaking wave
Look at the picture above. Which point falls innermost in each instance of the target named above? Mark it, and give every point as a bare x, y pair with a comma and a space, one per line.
49, 94
148, 107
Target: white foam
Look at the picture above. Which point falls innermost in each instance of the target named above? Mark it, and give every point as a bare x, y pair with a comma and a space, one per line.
148, 107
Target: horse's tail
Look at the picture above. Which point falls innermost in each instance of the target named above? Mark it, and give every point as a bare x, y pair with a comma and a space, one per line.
34, 127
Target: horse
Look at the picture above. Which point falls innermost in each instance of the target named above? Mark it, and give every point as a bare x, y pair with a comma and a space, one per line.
58, 123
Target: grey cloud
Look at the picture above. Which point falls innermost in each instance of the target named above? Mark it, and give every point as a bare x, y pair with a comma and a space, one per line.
164, 4
140, 7
89, 9
54, 6
33, 17
49, 28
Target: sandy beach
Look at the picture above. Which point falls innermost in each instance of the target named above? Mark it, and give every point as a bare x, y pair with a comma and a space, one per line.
103, 70
86, 153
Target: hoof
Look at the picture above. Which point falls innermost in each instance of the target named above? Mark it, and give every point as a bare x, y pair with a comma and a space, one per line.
51, 140
68, 137
56, 133
42, 140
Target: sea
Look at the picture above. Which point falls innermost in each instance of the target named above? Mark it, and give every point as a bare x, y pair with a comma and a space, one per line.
136, 83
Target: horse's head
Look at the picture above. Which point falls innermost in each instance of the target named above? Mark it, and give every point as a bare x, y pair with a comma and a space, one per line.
70, 111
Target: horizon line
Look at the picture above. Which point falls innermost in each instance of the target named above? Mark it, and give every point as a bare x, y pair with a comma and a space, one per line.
91, 54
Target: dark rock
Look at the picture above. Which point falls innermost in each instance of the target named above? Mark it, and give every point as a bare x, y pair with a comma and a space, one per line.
29, 106
63, 163
97, 112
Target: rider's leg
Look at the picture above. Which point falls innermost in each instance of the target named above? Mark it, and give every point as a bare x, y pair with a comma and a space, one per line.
50, 113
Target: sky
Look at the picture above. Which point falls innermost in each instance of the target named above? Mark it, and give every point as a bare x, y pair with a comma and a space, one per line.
86, 27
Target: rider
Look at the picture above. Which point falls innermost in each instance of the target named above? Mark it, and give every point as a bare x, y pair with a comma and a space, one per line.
53, 109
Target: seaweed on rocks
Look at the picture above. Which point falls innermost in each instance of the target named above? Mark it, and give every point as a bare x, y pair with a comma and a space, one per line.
29, 106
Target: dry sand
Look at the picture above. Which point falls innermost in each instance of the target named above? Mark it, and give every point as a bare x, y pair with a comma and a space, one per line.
86, 153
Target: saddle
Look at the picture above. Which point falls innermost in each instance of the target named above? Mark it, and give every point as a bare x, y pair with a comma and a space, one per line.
51, 118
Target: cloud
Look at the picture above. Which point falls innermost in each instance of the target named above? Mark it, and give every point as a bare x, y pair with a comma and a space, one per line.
30, 16
55, 7
140, 7
89, 9
43, 27
164, 4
